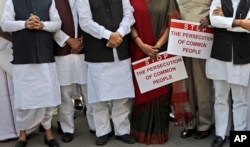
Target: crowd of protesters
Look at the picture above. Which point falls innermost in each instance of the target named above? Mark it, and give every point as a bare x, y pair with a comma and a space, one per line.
52, 50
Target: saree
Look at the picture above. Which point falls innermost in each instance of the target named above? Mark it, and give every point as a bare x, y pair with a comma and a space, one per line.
150, 114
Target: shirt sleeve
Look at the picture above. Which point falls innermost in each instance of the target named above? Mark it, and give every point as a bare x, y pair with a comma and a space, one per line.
128, 18
87, 24
60, 38
8, 22
219, 21
54, 24
224, 22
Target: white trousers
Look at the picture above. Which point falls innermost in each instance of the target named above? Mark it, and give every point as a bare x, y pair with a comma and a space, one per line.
248, 108
89, 112
120, 117
66, 109
221, 106
31, 118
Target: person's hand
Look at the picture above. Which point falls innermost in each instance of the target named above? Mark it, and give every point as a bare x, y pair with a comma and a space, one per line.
204, 22
218, 12
115, 40
34, 22
151, 51
75, 44
245, 23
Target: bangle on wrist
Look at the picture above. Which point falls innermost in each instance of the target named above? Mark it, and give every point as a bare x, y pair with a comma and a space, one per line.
240, 22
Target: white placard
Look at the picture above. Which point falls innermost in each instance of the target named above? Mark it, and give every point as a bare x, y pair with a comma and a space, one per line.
153, 73
185, 39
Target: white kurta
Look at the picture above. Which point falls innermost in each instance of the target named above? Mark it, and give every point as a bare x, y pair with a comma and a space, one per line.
107, 80
35, 85
220, 70
226, 72
71, 68
8, 125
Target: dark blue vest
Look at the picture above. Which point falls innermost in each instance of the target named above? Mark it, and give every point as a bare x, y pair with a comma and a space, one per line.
32, 46
109, 16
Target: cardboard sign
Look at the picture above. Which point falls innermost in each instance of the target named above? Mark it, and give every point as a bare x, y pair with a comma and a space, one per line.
185, 39
153, 73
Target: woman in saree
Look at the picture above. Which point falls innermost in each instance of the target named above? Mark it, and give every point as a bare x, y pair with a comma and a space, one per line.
150, 115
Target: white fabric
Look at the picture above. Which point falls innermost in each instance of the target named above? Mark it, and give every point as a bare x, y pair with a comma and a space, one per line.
221, 107
6, 55
71, 69
219, 70
112, 80
89, 108
248, 107
108, 81
90, 26
66, 109
36, 86
228, 76
8, 128
8, 125
9, 24
234, 74
29, 119
225, 22
60, 36
120, 117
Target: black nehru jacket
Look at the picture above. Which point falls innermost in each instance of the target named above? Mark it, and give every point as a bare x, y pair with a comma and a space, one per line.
108, 15
32, 46
232, 46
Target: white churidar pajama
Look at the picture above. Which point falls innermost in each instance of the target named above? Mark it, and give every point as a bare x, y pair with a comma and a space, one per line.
71, 70
109, 81
106, 82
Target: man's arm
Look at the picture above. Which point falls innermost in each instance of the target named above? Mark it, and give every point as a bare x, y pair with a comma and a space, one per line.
8, 22
217, 19
87, 24
54, 24
5, 35
128, 18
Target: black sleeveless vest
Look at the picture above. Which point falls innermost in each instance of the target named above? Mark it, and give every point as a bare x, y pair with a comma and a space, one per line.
232, 46
32, 46
109, 16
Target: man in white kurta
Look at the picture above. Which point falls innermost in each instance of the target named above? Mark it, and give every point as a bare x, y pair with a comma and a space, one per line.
229, 73
8, 125
36, 88
110, 85
71, 67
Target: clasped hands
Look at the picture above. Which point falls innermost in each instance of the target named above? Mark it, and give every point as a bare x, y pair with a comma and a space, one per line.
244, 23
115, 40
76, 45
33, 23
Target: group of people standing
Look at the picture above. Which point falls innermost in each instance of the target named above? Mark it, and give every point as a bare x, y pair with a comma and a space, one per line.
58, 44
